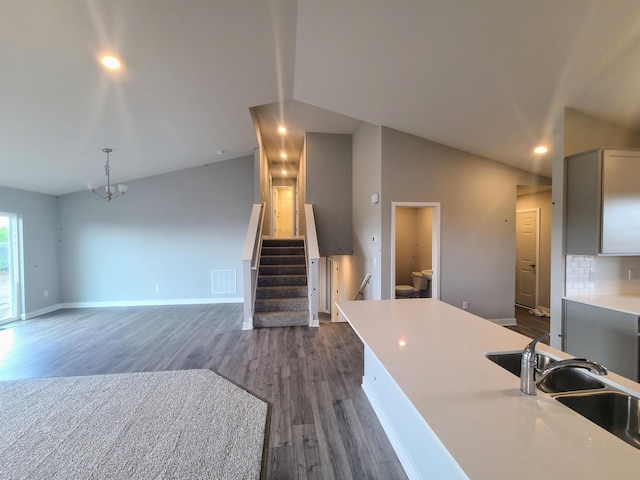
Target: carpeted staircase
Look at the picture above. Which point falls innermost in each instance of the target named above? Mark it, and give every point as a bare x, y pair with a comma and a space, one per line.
281, 295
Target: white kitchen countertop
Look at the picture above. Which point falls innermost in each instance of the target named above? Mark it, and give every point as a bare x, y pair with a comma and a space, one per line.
621, 303
474, 406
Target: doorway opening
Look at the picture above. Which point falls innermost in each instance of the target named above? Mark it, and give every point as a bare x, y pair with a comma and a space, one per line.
283, 211
533, 249
527, 248
415, 244
9, 268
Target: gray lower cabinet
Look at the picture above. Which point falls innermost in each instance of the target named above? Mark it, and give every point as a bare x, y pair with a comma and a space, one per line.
603, 335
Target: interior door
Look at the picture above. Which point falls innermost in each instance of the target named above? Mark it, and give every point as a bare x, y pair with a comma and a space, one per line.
526, 257
283, 210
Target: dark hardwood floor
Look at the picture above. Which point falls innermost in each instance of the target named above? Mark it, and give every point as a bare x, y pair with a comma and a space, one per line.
322, 425
530, 325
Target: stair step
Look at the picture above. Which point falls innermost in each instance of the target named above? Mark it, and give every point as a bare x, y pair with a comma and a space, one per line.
282, 280
282, 242
285, 291
282, 260
282, 270
280, 319
281, 304
282, 250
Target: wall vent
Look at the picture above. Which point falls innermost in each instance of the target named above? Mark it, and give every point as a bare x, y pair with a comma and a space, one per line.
223, 281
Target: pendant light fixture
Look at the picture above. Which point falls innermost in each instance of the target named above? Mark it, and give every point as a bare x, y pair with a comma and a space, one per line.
110, 190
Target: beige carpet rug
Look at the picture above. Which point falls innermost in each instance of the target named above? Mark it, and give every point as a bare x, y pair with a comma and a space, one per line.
177, 424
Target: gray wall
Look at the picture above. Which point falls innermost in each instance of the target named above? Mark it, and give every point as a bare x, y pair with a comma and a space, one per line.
170, 231
40, 246
574, 132
367, 179
478, 204
328, 188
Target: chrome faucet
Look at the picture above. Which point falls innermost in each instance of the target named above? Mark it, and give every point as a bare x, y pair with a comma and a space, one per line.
531, 376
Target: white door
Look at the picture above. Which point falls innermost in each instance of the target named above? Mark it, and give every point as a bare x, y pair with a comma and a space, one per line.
283, 211
526, 257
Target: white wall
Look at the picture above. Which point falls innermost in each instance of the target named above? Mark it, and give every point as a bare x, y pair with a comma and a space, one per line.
406, 236
40, 246
367, 217
413, 242
478, 204
170, 231
425, 238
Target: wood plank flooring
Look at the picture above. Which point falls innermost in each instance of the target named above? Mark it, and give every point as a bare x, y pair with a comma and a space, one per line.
530, 325
322, 425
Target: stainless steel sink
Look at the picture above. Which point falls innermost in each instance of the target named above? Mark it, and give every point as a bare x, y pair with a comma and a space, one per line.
617, 412
561, 381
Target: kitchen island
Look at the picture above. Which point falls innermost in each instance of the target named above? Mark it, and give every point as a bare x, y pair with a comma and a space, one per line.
451, 413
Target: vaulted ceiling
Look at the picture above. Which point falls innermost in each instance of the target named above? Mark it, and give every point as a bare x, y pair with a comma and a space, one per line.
486, 77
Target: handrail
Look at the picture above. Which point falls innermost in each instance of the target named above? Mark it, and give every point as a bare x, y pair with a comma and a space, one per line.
313, 259
252, 239
250, 261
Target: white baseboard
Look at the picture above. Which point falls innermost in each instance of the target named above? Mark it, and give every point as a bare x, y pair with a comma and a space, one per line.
131, 303
505, 322
42, 311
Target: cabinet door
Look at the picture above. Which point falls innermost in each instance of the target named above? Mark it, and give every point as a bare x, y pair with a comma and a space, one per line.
583, 203
621, 203
605, 336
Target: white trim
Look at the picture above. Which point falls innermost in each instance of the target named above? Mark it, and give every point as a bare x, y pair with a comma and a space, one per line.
403, 457
42, 311
505, 322
152, 303
537, 267
131, 303
435, 245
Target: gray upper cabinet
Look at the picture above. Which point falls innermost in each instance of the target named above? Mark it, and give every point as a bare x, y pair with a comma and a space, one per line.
603, 202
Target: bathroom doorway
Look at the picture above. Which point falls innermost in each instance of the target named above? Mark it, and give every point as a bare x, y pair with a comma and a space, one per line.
415, 243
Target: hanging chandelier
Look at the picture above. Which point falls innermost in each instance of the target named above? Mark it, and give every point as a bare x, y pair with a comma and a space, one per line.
110, 190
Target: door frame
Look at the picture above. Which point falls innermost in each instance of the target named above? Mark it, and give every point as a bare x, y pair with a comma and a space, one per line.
16, 270
435, 244
537, 252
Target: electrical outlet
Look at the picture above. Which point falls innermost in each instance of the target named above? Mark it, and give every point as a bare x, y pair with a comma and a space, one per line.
46, 293
465, 305
157, 288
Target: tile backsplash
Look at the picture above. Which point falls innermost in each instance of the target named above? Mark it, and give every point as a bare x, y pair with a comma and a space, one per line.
602, 275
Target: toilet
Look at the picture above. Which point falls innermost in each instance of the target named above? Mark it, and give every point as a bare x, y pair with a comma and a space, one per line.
420, 284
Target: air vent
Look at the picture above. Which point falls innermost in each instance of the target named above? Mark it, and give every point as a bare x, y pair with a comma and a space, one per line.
223, 281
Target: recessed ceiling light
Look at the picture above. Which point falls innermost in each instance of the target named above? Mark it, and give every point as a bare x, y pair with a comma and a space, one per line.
540, 150
284, 172
283, 155
111, 62
219, 152
282, 130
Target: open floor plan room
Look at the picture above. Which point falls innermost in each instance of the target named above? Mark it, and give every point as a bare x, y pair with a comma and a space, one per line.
322, 425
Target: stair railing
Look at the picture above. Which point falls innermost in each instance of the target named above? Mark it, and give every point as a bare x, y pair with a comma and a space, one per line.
313, 259
251, 261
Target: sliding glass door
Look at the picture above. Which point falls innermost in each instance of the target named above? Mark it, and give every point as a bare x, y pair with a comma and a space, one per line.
9, 274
